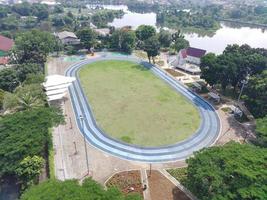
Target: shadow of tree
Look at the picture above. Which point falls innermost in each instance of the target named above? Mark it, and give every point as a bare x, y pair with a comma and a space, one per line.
179, 195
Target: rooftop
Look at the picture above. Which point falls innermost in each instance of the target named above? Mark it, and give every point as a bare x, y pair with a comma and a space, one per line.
5, 43
65, 34
195, 52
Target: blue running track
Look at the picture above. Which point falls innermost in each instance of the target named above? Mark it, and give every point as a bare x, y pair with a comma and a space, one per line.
205, 136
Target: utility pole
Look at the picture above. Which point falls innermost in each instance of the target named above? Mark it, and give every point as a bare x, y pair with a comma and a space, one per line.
85, 147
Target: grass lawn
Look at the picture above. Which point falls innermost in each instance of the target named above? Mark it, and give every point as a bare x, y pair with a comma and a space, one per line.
131, 104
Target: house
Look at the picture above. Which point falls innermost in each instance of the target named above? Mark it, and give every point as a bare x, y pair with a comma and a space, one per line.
67, 38
6, 45
190, 55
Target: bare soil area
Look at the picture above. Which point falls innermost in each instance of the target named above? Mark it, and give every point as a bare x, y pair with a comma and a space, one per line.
127, 182
162, 188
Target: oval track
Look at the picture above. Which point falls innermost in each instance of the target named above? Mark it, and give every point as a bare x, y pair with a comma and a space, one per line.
205, 136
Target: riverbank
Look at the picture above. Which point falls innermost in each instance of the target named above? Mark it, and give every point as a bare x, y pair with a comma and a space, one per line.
256, 25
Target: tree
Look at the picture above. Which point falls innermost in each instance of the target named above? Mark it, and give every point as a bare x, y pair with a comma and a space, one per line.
29, 97
145, 32
177, 35
165, 38
40, 11
255, 94
152, 47
3, 12
233, 66
20, 137
87, 37
8, 79
23, 9
29, 169
2, 94
24, 70
180, 43
58, 9
123, 40
209, 69
229, 172
261, 130
70, 189
33, 46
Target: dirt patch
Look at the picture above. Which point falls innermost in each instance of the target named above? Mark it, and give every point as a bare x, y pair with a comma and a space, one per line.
174, 72
161, 188
127, 182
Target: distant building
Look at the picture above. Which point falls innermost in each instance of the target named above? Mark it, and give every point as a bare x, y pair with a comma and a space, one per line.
190, 55
188, 60
6, 45
67, 38
102, 31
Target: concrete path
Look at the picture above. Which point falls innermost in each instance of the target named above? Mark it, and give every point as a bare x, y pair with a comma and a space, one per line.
144, 180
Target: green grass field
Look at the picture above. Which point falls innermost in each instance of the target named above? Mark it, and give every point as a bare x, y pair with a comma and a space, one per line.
131, 104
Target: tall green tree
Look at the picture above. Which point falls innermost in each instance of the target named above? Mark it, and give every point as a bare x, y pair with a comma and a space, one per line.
24, 70
87, 37
209, 68
33, 46
123, 40
230, 172
8, 79
261, 131
144, 32
165, 38
29, 169
180, 43
152, 47
40, 11
255, 94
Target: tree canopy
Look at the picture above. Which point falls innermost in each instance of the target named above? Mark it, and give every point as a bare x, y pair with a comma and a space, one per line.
20, 137
145, 32
33, 46
255, 94
152, 47
261, 131
8, 79
123, 40
180, 43
235, 65
165, 38
70, 189
87, 37
230, 172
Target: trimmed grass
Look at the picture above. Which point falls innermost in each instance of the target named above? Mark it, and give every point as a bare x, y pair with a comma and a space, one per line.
131, 104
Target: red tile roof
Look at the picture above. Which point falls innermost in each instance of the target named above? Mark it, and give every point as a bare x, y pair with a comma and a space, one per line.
194, 52
4, 60
5, 43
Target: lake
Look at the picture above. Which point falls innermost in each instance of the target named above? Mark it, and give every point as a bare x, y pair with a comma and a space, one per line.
216, 43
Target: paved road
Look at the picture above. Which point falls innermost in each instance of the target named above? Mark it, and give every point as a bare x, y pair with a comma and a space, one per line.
205, 136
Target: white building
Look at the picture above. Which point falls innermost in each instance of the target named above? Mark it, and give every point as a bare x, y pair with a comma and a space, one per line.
190, 55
